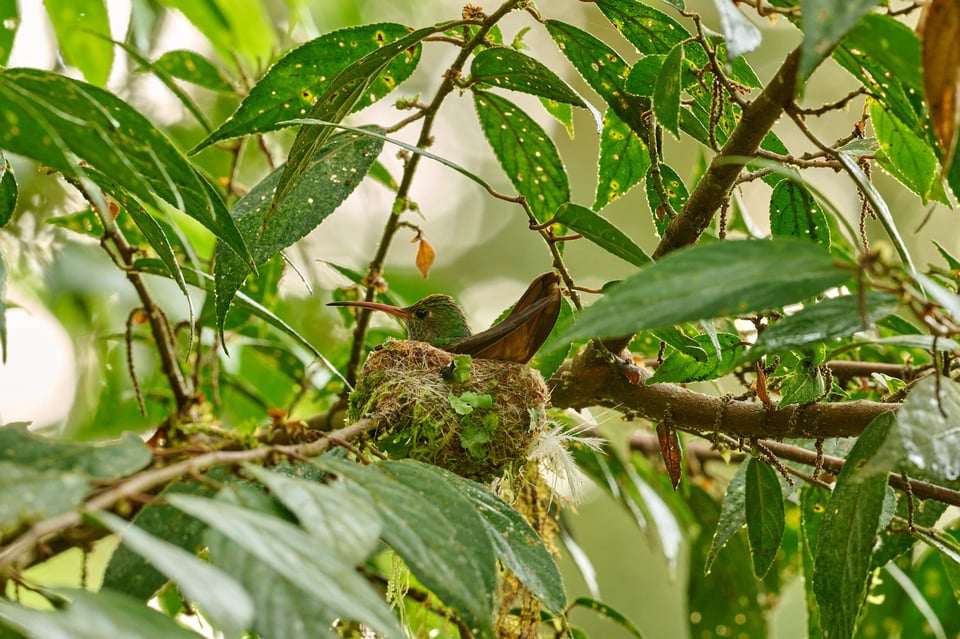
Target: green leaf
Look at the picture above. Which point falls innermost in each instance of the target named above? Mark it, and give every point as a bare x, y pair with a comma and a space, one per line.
28, 495
128, 571
332, 174
516, 544
733, 515
236, 29
507, 68
675, 189
803, 385
220, 597
464, 403
548, 361
884, 55
314, 569
730, 590
825, 23
9, 21
832, 318
78, 23
435, 530
601, 232
764, 512
102, 461
946, 545
85, 222
794, 212
243, 301
813, 503
8, 191
905, 155
283, 608
68, 116
168, 81
893, 543
927, 428
293, 86
369, 132
677, 338
194, 68
623, 163
525, 152
338, 99
561, 112
742, 37
682, 287
643, 75
649, 30
338, 519
609, 612
666, 93
848, 533
680, 367
952, 262
93, 615
602, 68
644, 504
152, 232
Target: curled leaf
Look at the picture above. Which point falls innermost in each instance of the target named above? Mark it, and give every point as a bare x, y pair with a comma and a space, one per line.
939, 31
671, 452
425, 256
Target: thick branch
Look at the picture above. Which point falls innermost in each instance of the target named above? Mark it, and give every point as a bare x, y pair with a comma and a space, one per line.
591, 380
758, 118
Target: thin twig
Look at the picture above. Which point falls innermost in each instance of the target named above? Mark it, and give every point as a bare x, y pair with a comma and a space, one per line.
20, 552
401, 200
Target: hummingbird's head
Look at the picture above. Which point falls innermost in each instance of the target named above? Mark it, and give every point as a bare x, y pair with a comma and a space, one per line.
436, 319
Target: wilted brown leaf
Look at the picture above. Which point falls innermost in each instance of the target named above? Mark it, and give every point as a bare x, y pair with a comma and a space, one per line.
671, 452
425, 255
939, 31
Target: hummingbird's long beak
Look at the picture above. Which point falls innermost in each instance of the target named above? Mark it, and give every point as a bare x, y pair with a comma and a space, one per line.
376, 306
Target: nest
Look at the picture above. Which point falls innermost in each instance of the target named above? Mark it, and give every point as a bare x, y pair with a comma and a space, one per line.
474, 417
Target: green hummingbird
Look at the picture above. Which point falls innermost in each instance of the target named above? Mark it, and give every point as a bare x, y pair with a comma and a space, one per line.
439, 321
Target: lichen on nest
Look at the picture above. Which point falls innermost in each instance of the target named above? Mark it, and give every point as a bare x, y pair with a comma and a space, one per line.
474, 417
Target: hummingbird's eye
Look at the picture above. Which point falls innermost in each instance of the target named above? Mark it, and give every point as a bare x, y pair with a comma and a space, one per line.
421, 313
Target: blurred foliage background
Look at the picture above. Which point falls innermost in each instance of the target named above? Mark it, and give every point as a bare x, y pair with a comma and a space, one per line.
66, 364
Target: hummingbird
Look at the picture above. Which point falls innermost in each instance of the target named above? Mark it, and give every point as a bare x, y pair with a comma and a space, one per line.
439, 321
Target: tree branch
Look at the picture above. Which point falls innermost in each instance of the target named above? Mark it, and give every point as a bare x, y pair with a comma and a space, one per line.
758, 118
24, 550
702, 452
590, 380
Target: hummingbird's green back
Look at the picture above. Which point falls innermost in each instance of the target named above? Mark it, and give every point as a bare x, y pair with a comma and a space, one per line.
437, 320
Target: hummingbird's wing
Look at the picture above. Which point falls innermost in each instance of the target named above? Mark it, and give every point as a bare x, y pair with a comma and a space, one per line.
521, 333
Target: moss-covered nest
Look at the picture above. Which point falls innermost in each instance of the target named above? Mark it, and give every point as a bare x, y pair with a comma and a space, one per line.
474, 417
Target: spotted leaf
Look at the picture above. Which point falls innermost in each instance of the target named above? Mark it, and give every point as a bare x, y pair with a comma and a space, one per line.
334, 173
292, 85
526, 153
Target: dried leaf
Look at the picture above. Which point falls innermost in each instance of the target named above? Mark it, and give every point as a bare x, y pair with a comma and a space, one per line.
671, 452
425, 255
939, 31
